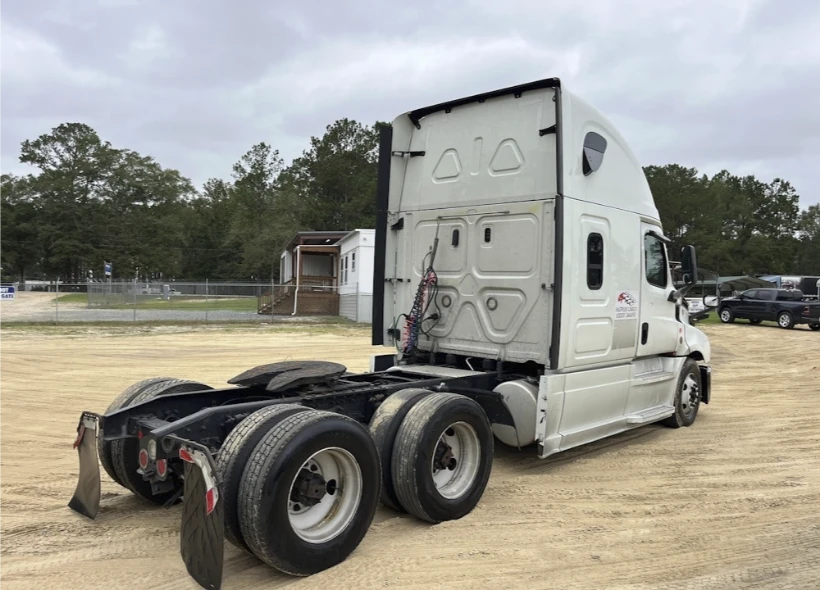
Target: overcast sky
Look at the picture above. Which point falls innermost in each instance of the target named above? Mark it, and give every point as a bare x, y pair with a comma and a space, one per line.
711, 84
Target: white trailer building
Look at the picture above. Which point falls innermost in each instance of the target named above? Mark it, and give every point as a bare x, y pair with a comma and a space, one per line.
356, 275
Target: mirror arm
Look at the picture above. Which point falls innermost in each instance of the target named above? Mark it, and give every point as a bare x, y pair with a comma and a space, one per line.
678, 293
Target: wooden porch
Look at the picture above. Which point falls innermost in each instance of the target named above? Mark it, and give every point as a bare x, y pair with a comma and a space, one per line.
315, 296
308, 274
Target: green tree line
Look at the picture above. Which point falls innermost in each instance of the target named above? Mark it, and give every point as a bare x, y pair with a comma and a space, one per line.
91, 202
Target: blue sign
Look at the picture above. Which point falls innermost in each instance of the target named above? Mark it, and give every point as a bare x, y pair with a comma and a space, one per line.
7, 292
108, 269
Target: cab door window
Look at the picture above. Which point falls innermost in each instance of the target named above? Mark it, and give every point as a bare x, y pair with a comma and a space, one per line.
655, 261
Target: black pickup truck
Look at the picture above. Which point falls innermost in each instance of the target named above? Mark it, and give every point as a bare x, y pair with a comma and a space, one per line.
784, 306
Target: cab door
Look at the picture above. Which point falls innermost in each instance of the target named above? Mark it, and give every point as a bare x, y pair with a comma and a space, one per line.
768, 304
659, 327
745, 306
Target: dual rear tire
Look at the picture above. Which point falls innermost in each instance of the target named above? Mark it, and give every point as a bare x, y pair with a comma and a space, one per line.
120, 458
436, 451
301, 486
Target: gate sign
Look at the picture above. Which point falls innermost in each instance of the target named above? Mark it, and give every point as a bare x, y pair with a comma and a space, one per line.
108, 269
7, 292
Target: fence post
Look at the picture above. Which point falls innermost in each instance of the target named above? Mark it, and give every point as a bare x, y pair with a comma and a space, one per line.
206, 300
135, 299
57, 301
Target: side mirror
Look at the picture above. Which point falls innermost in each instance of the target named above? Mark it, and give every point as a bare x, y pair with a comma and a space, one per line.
689, 265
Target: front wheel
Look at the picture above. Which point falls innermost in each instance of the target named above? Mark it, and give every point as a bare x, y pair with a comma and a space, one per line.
815, 327
785, 320
687, 396
727, 316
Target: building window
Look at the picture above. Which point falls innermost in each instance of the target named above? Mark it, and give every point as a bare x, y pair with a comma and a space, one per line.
595, 261
353, 262
344, 282
655, 259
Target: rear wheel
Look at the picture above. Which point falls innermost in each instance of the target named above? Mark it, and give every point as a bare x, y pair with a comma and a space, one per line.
727, 316
442, 457
815, 327
383, 427
125, 452
785, 320
309, 492
233, 457
121, 401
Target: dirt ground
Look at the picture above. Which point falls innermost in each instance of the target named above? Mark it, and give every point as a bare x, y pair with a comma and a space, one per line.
25, 304
731, 502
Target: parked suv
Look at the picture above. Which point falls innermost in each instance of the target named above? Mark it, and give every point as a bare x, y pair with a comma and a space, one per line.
784, 306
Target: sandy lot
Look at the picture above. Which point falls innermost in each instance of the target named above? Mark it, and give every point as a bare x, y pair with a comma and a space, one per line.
732, 502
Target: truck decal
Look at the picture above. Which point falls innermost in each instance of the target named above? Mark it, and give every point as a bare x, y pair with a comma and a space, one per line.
626, 306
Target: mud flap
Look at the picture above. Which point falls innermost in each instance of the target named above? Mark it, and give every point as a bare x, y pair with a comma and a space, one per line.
86, 498
705, 383
202, 537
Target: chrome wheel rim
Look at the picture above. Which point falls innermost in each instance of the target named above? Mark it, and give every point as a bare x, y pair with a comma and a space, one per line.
784, 320
325, 495
689, 395
724, 315
456, 460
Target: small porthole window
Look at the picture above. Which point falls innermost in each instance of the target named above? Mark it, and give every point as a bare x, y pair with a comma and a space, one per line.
455, 238
595, 261
488, 235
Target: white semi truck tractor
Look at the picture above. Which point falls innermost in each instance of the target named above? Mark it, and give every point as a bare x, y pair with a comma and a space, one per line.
523, 290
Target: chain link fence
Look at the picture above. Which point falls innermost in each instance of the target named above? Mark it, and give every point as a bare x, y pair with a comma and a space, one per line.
139, 301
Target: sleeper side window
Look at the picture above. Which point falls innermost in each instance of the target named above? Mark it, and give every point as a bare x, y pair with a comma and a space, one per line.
655, 260
595, 261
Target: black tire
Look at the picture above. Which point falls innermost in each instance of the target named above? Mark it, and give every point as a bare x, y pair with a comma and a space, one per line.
726, 315
815, 327
686, 410
121, 401
755, 322
785, 320
125, 452
384, 426
415, 449
233, 457
265, 491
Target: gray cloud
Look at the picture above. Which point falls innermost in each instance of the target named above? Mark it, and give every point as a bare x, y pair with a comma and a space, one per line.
712, 85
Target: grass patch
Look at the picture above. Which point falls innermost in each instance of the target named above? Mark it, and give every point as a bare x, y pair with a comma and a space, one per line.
712, 319
174, 303
73, 298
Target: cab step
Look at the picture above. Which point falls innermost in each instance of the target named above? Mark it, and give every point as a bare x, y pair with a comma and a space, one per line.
651, 415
